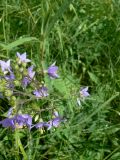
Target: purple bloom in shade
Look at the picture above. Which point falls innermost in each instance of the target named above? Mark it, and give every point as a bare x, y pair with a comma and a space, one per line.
41, 92
8, 122
52, 71
84, 92
5, 66
23, 58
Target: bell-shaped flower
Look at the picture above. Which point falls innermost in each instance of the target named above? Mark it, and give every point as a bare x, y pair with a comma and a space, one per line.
27, 79
8, 122
18, 121
41, 92
55, 121
23, 120
41, 125
31, 73
10, 76
5, 66
22, 57
84, 92
52, 71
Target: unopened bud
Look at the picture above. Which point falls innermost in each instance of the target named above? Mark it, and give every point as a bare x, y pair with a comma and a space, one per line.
8, 93
17, 83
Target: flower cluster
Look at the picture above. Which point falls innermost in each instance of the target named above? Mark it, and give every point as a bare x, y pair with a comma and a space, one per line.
19, 84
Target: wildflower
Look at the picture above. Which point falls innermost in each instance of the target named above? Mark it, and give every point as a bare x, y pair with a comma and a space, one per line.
23, 58
8, 122
84, 92
41, 125
41, 92
55, 121
23, 119
52, 71
17, 121
11, 76
5, 66
31, 73
27, 79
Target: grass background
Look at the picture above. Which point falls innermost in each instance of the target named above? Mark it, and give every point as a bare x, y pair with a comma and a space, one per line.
83, 37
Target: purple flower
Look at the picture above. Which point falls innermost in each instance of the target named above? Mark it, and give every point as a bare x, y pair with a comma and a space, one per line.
55, 121
23, 119
31, 73
41, 92
17, 121
23, 58
52, 71
5, 66
27, 79
84, 92
11, 76
41, 125
8, 122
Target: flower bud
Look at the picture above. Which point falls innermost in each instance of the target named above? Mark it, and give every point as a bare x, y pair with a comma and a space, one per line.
25, 72
17, 83
8, 93
21, 69
13, 101
16, 67
24, 64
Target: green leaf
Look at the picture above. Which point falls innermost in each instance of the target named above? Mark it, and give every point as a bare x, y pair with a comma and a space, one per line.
93, 77
58, 14
18, 42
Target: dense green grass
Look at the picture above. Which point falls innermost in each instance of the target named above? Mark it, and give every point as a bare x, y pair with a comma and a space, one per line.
83, 37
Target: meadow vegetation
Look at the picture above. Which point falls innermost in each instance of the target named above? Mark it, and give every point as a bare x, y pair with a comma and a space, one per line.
83, 38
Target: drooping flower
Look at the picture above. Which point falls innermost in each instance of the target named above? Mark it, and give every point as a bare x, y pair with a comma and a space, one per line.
52, 71
23, 58
84, 92
5, 66
41, 92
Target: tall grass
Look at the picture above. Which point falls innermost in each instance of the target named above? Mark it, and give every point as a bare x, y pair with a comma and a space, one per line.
83, 38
